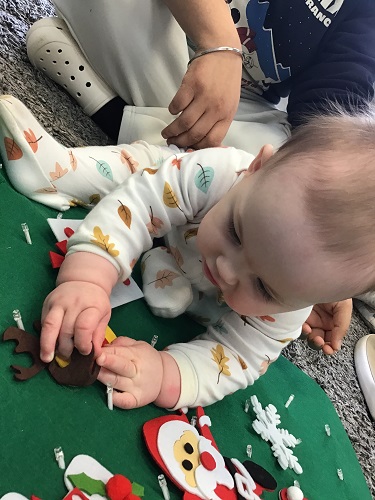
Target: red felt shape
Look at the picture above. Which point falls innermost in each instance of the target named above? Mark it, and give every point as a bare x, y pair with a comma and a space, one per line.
61, 245
76, 492
56, 260
118, 487
68, 232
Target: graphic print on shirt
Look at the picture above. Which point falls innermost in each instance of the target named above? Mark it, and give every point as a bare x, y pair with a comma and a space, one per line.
262, 64
259, 58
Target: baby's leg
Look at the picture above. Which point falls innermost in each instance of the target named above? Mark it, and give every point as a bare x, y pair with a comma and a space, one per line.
45, 171
167, 292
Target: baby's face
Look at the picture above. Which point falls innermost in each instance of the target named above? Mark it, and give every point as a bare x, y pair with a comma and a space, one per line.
258, 248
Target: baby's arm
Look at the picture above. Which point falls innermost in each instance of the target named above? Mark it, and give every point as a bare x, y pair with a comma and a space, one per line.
230, 356
117, 231
77, 311
210, 90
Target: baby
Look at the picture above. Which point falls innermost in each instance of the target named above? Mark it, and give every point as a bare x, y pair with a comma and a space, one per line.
251, 244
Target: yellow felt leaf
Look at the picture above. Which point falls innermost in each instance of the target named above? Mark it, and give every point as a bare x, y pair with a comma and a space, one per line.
169, 197
125, 214
102, 241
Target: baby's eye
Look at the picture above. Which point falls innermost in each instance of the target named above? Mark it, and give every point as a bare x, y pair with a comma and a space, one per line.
233, 233
262, 291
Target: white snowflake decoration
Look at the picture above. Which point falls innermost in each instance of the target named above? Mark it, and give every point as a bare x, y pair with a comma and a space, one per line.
266, 425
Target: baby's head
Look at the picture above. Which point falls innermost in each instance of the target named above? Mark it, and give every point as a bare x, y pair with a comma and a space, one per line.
300, 230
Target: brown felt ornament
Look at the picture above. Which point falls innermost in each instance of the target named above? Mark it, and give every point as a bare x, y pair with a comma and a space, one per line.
80, 372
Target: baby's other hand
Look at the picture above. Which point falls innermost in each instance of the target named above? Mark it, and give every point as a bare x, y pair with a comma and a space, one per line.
74, 314
133, 367
327, 325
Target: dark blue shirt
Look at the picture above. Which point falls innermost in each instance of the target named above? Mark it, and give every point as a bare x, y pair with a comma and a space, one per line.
309, 50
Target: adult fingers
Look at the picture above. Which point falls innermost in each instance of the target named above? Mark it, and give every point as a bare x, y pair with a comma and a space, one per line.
181, 130
182, 99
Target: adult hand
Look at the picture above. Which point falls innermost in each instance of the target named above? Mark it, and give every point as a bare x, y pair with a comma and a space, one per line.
207, 101
74, 314
327, 325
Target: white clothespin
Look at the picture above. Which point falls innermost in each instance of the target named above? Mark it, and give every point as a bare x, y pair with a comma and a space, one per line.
327, 429
249, 450
340, 474
59, 215
18, 319
59, 456
25, 229
154, 340
247, 405
290, 399
164, 487
110, 396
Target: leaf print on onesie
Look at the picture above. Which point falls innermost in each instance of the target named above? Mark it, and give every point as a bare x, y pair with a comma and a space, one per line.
58, 172
103, 242
169, 197
31, 139
203, 178
155, 223
14, 152
103, 168
218, 355
125, 214
164, 278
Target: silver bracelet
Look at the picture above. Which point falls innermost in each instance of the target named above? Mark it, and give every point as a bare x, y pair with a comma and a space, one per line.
201, 53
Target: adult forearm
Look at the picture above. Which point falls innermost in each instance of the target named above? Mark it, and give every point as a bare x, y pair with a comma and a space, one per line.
208, 24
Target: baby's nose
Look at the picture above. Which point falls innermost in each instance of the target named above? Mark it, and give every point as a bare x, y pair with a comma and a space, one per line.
227, 271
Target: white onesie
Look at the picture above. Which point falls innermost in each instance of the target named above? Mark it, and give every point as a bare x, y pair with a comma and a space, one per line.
170, 201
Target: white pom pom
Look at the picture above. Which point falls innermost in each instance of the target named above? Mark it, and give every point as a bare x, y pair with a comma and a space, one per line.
294, 493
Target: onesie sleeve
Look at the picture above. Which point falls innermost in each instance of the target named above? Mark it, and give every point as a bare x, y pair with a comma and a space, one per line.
343, 70
232, 354
183, 189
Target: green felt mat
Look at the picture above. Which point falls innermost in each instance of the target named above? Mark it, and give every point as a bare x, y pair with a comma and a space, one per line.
38, 415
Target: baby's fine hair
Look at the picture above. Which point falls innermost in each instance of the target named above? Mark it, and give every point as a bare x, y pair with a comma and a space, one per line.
334, 156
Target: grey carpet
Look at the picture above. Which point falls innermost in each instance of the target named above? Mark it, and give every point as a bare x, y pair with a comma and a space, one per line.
64, 119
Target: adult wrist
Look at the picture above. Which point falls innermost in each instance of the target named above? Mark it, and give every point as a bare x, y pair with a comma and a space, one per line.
221, 49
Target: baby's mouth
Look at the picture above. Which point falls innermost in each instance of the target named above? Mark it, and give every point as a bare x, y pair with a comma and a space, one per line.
208, 274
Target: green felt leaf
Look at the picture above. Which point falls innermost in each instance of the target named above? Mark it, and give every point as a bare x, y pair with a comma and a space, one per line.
87, 484
138, 490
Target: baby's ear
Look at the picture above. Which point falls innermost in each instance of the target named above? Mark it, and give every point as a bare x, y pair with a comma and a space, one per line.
261, 158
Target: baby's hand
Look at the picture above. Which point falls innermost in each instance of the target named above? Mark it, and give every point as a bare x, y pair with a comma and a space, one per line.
137, 370
74, 314
327, 325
